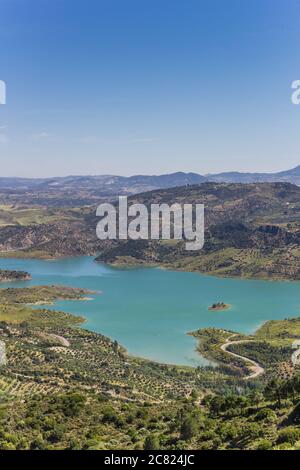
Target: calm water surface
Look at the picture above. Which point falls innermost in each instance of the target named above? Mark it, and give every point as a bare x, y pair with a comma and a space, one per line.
149, 310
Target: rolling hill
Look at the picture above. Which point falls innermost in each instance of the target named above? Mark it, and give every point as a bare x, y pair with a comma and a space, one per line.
70, 191
252, 230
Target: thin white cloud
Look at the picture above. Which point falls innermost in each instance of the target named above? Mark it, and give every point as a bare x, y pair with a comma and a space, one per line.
135, 140
89, 140
142, 140
3, 139
40, 136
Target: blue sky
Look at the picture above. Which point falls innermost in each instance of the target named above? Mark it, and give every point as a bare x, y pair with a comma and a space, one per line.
148, 86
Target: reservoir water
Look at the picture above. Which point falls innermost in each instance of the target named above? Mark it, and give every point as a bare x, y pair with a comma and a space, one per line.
150, 310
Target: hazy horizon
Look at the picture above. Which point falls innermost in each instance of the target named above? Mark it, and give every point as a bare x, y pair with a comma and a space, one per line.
140, 174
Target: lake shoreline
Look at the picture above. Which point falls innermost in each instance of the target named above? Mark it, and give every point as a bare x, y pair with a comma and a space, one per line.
175, 301
19, 255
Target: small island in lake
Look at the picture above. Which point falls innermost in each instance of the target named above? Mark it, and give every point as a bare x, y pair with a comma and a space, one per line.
219, 306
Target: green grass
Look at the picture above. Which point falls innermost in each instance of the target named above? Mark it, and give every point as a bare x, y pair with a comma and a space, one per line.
14, 313
41, 294
18, 215
280, 332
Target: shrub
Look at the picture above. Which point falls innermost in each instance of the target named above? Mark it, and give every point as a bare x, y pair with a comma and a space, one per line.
295, 414
38, 444
264, 444
151, 442
72, 404
266, 414
188, 429
5, 445
290, 435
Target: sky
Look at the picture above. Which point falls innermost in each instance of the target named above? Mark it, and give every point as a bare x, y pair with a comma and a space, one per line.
148, 86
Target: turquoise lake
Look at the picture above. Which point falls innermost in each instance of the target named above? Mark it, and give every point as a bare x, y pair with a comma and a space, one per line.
150, 310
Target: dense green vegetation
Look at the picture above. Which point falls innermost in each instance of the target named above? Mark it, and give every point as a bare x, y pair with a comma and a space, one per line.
63, 387
263, 352
256, 419
271, 347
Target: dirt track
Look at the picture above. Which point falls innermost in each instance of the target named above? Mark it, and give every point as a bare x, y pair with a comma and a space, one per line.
255, 367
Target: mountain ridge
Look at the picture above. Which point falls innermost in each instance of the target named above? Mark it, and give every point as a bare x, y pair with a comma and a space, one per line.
175, 179
71, 191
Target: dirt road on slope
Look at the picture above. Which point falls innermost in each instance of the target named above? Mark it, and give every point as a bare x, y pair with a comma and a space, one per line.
257, 370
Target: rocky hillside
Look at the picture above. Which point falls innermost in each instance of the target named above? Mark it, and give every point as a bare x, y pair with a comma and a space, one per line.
252, 230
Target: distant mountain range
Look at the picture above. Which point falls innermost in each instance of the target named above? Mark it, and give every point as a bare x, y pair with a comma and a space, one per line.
288, 176
129, 183
147, 181
84, 190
